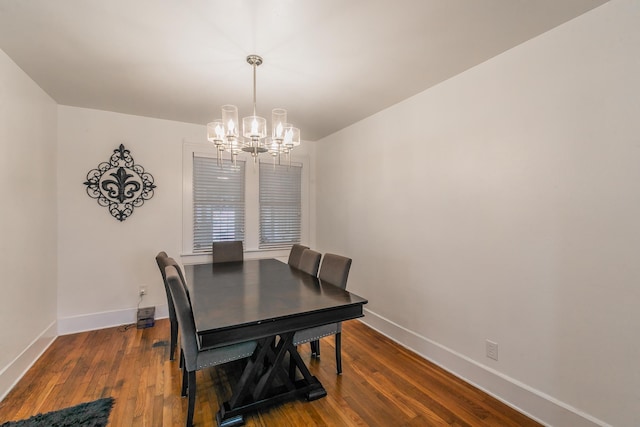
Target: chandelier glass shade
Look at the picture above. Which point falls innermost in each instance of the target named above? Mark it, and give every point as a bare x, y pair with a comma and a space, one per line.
255, 139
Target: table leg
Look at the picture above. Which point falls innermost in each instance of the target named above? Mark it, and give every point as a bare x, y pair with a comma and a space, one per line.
267, 380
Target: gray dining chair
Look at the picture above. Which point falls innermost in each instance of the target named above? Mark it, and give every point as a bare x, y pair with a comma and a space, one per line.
162, 259
228, 251
174, 263
196, 359
310, 261
335, 271
296, 254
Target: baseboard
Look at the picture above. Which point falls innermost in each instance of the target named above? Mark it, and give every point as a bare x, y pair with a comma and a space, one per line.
106, 319
13, 372
525, 399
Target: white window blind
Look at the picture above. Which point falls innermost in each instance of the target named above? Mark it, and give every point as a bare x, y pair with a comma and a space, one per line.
218, 202
280, 204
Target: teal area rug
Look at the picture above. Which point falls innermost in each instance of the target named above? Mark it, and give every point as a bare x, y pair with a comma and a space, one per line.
90, 414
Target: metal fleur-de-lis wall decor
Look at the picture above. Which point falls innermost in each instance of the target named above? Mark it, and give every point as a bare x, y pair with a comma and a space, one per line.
120, 184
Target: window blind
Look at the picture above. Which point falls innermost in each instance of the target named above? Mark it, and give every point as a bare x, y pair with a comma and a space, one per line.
280, 204
218, 202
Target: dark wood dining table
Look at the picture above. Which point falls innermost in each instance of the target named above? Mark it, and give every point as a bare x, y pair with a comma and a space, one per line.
264, 300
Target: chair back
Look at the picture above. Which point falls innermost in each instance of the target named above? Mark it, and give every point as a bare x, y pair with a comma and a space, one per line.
295, 254
229, 251
162, 259
174, 263
310, 261
335, 270
185, 317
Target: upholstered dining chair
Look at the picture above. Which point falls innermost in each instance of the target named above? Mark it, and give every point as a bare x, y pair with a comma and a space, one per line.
162, 259
335, 271
310, 261
296, 254
194, 358
228, 251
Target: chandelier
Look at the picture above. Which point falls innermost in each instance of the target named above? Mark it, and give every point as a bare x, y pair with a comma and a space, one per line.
225, 133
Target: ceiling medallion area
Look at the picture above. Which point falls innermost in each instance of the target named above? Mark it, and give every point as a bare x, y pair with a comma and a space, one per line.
119, 184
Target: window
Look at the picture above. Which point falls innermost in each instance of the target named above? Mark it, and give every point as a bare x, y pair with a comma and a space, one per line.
218, 202
280, 204
221, 204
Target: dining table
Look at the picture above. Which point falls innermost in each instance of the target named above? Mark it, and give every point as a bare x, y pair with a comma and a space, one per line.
266, 301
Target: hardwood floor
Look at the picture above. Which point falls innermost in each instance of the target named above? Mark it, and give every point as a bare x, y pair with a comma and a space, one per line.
382, 384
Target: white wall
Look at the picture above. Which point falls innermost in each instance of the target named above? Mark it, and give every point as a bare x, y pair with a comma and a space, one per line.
504, 204
27, 221
102, 261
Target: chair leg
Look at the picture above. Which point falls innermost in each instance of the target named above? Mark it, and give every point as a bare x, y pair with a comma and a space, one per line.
339, 352
312, 344
183, 392
317, 348
174, 339
192, 398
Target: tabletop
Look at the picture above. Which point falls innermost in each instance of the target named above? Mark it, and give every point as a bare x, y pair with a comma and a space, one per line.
237, 301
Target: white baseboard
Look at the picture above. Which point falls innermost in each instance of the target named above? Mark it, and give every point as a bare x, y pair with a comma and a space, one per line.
13, 372
106, 319
525, 399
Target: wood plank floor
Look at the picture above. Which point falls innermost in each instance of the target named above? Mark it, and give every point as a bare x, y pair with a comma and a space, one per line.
382, 384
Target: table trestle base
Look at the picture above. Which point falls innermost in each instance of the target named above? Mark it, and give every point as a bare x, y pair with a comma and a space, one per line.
267, 380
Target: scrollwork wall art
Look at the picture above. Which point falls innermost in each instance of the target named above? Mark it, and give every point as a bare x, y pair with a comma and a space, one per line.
119, 184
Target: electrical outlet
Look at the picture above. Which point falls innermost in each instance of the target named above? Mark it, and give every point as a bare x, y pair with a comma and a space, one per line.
492, 350
143, 291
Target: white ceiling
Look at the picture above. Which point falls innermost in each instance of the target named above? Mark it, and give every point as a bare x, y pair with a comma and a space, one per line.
330, 63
